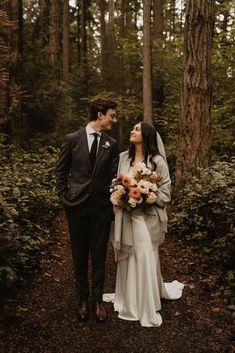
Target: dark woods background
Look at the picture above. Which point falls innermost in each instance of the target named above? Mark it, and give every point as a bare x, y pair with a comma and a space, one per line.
170, 62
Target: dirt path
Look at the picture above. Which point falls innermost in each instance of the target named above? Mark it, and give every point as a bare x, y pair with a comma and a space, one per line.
42, 318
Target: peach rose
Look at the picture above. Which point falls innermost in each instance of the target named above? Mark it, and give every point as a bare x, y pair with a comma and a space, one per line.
151, 198
134, 193
127, 181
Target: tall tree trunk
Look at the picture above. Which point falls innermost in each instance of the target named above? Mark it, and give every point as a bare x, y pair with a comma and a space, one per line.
53, 31
122, 67
111, 50
195, 127
158, 86
147, 81
15, 73
79, 32
111, 12
84, 61
104, 53
122, 37
5, 30
66, 25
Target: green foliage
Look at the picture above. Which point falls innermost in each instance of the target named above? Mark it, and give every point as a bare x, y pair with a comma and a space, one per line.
223, 112
28, 203
205, 215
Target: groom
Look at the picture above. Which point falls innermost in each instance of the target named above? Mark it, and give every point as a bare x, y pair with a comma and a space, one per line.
87, 163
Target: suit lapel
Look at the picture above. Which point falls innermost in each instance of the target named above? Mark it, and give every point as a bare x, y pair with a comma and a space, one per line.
84, 143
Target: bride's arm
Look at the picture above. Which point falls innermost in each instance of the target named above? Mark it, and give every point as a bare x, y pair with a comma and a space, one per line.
164, 185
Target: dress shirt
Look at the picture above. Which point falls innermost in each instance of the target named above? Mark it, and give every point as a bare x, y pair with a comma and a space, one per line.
91, 137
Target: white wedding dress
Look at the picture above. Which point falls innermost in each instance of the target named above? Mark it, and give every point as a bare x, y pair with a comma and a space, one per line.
139, 283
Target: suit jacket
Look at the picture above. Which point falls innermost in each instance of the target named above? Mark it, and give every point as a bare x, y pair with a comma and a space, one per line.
155, 216
77, 184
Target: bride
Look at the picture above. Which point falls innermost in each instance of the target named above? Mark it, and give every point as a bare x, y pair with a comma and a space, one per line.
138, 233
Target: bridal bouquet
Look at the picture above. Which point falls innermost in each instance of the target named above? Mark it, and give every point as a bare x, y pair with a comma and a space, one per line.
134, 189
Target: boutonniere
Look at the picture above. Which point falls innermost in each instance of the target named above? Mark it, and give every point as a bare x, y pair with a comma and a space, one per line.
106, 145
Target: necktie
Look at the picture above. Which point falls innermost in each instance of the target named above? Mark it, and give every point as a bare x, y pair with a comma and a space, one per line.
93, 150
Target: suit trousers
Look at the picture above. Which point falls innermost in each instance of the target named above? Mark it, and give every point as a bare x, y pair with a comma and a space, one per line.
89, 236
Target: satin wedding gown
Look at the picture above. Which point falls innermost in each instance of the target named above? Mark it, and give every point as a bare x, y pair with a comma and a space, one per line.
139, 283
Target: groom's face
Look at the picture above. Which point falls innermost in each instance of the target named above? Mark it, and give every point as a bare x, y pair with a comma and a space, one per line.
107, 120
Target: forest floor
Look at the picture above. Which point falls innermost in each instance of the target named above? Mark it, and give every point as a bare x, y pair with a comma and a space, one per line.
41, 318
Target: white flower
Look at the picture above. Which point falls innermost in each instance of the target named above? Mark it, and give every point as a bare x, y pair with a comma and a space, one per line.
106, 145
143, 186
146, 171
115, 199
120, 189
151, 198
132, 202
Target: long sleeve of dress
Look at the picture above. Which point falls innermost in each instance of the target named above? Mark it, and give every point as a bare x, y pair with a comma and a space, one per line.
164, 187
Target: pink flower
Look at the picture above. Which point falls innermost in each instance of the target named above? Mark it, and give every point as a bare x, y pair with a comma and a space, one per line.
127, 181
135, 193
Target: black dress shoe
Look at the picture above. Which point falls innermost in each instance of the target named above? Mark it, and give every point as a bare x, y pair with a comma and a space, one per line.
100, 312
83, 311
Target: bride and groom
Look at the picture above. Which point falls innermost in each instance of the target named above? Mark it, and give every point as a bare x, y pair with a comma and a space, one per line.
87, 164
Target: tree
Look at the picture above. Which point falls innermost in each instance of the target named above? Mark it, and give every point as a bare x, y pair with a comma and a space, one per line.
195, 126
104, 56
6, 27
147, 82
15, 11
66, 40
158, 89
84, 60
53, 32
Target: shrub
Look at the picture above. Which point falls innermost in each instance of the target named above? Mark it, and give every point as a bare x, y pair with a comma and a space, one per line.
28, 203
205, 214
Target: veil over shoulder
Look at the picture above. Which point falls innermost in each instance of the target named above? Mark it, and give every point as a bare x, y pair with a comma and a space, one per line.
161, 147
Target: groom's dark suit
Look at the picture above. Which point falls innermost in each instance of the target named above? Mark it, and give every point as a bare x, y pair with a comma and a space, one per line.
85, 195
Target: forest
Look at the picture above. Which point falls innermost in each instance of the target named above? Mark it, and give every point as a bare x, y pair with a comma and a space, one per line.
167, 62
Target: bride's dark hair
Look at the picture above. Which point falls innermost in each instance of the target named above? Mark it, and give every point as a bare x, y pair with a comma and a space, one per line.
150, 147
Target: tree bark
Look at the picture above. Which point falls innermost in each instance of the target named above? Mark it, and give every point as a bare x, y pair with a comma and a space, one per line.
111, 12
195, 126
15, 73
79, 32
66, 25
53, 32
5, 30
147, 81
84, 61
104, 52
158, 85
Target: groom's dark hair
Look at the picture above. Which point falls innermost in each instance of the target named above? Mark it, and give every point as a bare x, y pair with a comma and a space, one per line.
101, 105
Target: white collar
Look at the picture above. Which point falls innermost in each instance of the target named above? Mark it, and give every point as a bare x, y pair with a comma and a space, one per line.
91, 131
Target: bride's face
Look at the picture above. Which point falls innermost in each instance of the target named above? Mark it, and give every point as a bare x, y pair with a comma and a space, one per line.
136, 135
